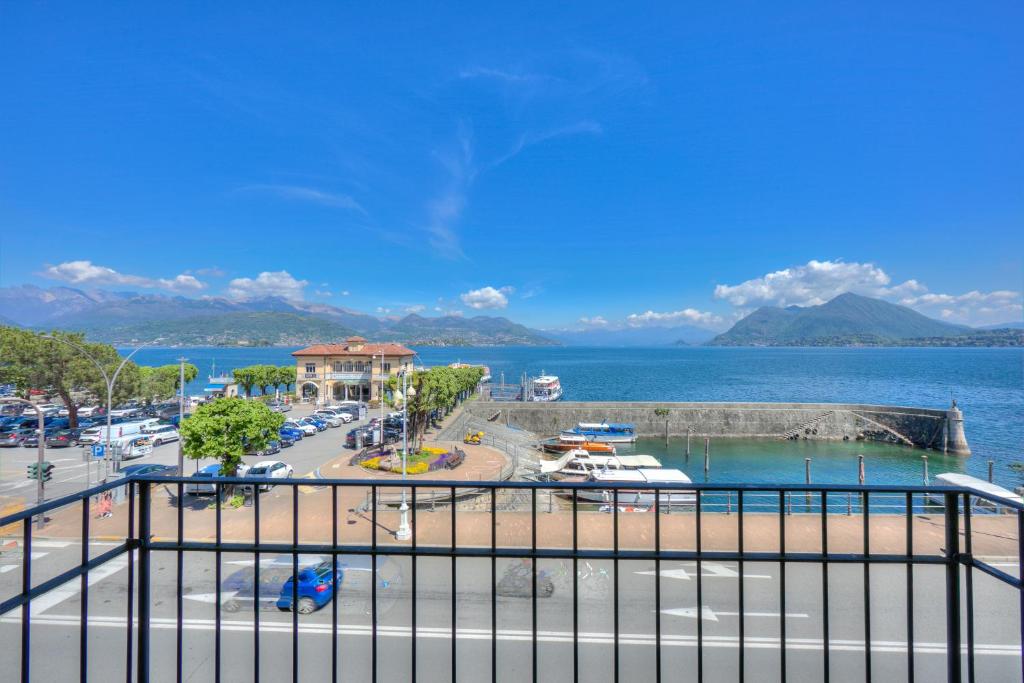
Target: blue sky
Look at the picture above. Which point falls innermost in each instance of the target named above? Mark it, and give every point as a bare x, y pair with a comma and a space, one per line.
593, 163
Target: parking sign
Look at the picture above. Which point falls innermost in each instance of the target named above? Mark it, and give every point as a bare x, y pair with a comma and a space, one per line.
97, 450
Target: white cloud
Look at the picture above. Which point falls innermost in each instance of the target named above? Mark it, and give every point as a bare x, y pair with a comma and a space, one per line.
816, 282
324, 293
308, 194
268, 283
344, 292
415, 308
88, 273
486, 297
687, 316
383, 311
594, 321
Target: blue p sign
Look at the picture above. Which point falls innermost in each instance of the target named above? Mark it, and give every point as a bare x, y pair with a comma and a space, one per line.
97, 450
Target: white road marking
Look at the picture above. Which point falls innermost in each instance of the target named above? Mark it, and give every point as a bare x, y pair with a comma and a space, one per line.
712, 570
72, 588
211, 598
593, 638
708, 614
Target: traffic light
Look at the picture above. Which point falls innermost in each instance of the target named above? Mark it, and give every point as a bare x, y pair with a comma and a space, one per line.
33, 470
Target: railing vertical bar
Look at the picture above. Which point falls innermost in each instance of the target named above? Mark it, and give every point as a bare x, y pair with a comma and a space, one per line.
83, 621
969, 587
910, 587
218, 492
413, 595
826, 642
952, 556
373, 584
615, 584
575, 590
700, 594
865, 502
180, 606
782, 587
295, 585
130, 606
256, 583
454, 654
1020, 576
142, 655
335, 587
657, 582
739, 583
494, 588
533, 586
26, 607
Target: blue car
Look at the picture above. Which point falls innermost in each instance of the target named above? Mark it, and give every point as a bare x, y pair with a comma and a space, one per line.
315, 588
286, 441
315, 421
291, 433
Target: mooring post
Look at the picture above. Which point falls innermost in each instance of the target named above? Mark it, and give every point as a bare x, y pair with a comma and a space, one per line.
687, 443
807, 478
860, 469
924, 461
707, 455
990, 464
666, 432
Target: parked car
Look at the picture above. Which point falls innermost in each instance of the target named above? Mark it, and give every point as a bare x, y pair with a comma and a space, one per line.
280, 407
367, 436
272, 448
330, 418
205, 479
32, 440
161, 434
149, 470
307, 429
315, 421
315, 588
341, 414
15, 437
269, 469
293, 433
286, 441
63, 438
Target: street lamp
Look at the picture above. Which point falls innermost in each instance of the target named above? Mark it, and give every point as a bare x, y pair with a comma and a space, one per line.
404, 532
109, 380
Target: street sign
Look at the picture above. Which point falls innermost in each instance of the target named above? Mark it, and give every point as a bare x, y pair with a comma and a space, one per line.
98, 450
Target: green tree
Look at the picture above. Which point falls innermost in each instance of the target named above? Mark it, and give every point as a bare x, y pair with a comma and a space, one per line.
161, 382
246, 378
31, 361
265, 376
225, 428
286, 376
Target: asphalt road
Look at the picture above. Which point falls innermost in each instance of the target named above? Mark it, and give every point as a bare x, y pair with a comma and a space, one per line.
74, 470
56, 617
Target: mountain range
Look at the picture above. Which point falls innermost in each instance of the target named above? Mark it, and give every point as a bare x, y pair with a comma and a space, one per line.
854, 320
121, 317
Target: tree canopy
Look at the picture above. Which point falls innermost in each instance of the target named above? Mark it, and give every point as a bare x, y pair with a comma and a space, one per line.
226, 428
31, 361
436, 389
161, 382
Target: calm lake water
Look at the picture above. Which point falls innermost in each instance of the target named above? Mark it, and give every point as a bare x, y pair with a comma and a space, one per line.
987, 383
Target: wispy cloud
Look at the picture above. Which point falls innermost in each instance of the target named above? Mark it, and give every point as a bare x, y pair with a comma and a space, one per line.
504, 76
529, 139
445, 210
308, 194
88, 273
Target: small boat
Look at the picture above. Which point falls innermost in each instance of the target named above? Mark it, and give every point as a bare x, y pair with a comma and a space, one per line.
604, 432
568, 442
545, 388
580, 462
998, 493
638, 497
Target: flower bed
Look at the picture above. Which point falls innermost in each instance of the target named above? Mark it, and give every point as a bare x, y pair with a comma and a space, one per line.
429, 459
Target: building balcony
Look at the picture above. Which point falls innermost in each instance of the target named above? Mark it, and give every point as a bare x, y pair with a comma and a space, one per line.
513, 581
349, 376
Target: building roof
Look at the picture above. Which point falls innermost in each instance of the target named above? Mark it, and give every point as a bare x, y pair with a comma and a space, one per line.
362, 349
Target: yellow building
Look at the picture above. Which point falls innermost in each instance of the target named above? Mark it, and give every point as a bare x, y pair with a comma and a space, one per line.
349, 371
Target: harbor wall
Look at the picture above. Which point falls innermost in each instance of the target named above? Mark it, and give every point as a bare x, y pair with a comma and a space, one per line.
920, 427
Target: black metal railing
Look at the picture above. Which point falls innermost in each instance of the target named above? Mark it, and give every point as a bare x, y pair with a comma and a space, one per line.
676, 534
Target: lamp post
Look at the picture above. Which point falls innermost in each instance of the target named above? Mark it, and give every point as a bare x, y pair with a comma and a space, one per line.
109, 380
404, 532
181, 413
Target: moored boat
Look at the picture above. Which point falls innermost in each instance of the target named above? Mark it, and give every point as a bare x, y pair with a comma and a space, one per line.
568, 442
605, 432
545, 388
997, 493
579, 462
640, 497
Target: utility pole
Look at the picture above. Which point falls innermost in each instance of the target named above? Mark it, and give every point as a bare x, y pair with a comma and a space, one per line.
404, 531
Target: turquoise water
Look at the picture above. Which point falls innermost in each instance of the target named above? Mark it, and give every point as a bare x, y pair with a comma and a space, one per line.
987, 383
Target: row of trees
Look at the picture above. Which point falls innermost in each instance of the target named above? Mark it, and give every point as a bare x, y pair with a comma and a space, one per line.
437, 390
52, 363
264, 377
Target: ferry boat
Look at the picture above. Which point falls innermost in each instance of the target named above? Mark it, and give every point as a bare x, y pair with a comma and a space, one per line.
545, 388
604, 432
638, 497
567, 442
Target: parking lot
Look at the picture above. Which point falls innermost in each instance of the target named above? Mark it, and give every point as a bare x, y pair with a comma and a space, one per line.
74, 469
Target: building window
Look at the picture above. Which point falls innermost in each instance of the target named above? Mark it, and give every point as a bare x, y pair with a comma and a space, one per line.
348, 366
311, 367
359, 366
386, 367
337, 366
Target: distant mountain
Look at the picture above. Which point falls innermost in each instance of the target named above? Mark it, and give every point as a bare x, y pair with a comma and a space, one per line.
123, 316
634, 336
848, 319
1018, 325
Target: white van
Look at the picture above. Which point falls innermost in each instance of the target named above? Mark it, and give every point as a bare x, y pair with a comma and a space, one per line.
99, 434
132, 446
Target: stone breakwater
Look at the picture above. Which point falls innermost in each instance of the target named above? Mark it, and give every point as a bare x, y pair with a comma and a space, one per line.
940, 429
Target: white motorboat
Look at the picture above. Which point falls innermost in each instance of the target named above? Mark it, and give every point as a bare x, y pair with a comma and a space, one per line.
638, 497
581, 462
545, 388
995, 492
604, 432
